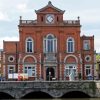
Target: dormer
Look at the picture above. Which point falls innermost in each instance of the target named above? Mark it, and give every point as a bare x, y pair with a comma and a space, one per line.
49, 14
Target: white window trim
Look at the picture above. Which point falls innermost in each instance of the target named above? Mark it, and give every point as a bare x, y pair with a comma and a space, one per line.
86, 58
90, 69
29, 56
67, 67
84, 44
73, 44
10, 57
32, 44
45, 45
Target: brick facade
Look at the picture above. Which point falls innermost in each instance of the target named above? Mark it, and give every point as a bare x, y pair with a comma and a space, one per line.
49, 47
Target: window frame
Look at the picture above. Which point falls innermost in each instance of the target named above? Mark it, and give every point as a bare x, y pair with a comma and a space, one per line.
31, 44
9, 58
88, 56
68, 69
32, 69
88, 70
13, 70
52, 48
85, 44
70, 45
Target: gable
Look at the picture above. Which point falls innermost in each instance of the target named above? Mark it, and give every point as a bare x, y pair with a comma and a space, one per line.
49, 8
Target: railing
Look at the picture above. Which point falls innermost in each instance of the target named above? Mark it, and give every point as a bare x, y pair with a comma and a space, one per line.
72, 22
23, 22
65, 22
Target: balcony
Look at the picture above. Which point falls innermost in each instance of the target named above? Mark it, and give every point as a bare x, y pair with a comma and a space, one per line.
50, 58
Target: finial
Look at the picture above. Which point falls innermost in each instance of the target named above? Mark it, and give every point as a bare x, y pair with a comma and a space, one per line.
78, 18
49, 3
20, 17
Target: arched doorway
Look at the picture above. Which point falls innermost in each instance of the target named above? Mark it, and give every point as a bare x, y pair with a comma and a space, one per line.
50, 73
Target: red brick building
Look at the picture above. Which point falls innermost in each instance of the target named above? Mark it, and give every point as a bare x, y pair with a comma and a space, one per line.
49, 47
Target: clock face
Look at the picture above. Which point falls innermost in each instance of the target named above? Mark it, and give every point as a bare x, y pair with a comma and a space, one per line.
50, 18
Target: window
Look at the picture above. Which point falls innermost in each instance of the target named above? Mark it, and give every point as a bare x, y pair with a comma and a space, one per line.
42, 18
88, 70
88, 58
70, 45
29, 45
50, 44
86, 44
11, 69
11, 58
30, 70
69, 68
57, 19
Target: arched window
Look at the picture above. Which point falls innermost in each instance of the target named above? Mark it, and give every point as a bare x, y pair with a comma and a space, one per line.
29, 45
71, 62
29, 65
70, 45
50, 44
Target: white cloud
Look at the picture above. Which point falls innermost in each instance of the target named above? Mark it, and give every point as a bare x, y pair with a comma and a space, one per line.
22, 7
4, 16
86, 16
90, 16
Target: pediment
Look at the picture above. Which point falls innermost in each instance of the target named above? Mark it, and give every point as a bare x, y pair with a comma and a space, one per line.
49, 8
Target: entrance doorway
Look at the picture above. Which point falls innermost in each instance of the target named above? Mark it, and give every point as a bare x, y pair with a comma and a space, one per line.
50, 73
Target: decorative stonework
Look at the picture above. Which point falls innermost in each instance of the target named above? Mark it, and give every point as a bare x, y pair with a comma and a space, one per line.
87, 58
11, 58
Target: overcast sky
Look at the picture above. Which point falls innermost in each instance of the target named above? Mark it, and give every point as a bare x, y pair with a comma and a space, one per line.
88, 10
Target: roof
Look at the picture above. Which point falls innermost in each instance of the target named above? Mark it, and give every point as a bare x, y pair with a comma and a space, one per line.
51, 6
87, 37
